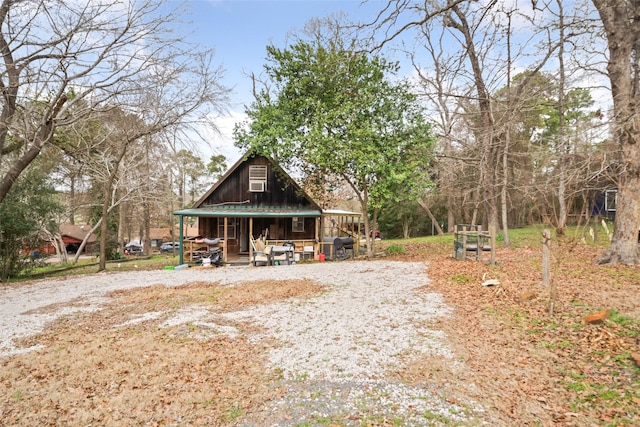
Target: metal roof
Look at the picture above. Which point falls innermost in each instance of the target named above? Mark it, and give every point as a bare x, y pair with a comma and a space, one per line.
244, 211
339, 212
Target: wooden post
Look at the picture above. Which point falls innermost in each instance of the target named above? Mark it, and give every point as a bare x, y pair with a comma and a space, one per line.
225, 241
464, 243
250, 237
317, 247
181, 258
492, 243
546, 274
479, 243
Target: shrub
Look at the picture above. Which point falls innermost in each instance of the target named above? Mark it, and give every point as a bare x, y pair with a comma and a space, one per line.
396, 249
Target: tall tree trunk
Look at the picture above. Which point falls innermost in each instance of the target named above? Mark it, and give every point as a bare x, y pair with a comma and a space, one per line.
485, 133
622, 27
83, 244
147, 227
106, 207
562, 137
507, 142
373, 234
172, 222
121, 225
489, 194
504, 193
145, 205
451, 219
476, 204
369, 234
405, 227
624, 245
104, 225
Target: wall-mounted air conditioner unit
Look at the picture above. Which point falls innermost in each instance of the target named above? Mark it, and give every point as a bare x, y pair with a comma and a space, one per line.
257, 186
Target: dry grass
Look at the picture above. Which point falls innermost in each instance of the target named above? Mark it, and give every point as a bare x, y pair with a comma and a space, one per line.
120, 366
93, 370
530, 367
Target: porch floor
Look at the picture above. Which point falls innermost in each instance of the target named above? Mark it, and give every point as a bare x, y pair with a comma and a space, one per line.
238, 259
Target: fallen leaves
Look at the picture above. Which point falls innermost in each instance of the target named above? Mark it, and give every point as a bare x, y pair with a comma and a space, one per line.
597, 318
526, 365
95, 368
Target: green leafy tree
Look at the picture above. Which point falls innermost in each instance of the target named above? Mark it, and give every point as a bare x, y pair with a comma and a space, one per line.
403, 220
336, 111
30, 207
217, 166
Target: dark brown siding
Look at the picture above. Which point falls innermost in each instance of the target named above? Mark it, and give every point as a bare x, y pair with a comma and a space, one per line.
281, 228
235, 188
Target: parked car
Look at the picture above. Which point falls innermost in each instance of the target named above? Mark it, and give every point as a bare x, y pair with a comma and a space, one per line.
133, 249
170, 247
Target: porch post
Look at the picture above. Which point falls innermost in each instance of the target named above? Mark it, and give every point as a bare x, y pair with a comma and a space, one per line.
226, 241
318, 246
251, 238
181, 241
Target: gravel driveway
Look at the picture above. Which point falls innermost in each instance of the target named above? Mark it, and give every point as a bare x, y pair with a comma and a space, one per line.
334, 350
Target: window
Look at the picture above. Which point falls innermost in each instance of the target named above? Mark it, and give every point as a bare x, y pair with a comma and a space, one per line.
231, 228
258, 178
298, 224
611, 197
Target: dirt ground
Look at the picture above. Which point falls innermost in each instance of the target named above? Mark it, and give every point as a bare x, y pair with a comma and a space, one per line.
525, 366
532, 367
97, 368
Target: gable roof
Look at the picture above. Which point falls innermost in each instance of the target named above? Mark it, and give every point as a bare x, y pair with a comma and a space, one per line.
227, 210
159, 233
221, 180
77, 232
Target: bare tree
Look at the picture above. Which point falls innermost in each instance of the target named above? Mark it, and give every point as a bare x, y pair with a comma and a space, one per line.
480, 30
562, 142
439, 86
90, 54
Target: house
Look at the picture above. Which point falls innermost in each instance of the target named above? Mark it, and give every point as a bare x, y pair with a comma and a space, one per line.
604, 204
72, 236
157, 236
255, 198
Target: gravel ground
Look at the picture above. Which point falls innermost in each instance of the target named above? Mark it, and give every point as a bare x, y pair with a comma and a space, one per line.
334, 349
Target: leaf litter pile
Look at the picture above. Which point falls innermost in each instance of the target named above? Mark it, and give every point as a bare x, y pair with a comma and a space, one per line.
535, 368
105, 368
131, 364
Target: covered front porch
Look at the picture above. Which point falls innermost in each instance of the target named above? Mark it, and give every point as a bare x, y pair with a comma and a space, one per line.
232, 227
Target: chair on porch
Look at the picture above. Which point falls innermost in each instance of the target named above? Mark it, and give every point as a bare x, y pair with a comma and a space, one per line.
260, 253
